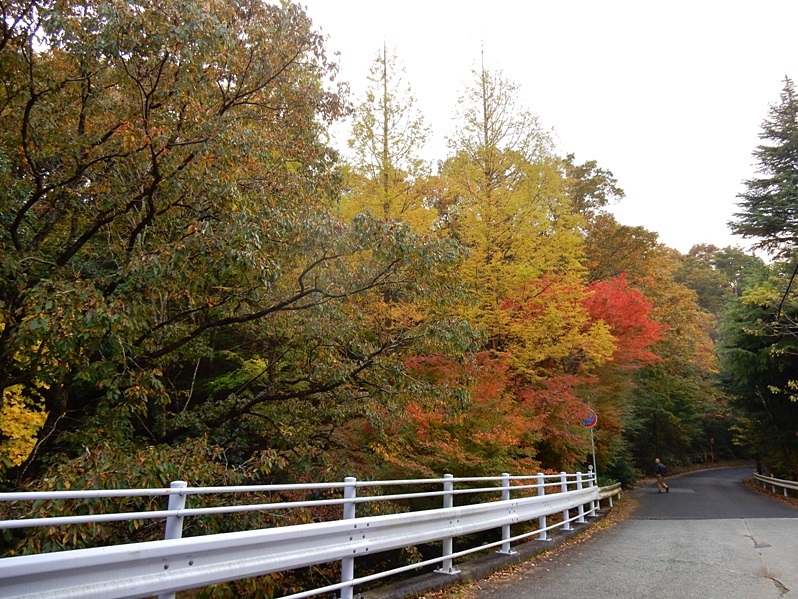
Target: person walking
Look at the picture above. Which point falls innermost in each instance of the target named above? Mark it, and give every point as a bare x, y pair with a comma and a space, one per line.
660, 470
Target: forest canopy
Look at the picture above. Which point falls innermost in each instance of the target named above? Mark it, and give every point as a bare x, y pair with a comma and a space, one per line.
187, 265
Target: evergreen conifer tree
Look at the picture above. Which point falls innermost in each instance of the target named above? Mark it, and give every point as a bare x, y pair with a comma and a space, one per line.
769, 206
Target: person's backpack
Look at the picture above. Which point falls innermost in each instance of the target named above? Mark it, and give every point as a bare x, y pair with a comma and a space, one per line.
662, 469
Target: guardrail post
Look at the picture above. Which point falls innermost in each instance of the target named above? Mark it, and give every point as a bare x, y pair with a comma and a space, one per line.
448, 502
348, 563
541, 490
177, 501
566, 515
506, 549
593, 478
174, 524
776, 483
581, 508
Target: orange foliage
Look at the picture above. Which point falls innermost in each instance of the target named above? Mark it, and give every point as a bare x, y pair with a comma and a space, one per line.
549, 332
558, 413
500, 424
481, 431
519, 409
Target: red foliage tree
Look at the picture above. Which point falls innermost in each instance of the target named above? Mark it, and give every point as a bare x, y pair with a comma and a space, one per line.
628, 314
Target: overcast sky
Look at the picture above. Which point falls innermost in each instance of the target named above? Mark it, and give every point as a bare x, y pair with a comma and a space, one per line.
670, 97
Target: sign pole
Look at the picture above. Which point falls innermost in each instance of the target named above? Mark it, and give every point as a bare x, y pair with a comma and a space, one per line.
589, 421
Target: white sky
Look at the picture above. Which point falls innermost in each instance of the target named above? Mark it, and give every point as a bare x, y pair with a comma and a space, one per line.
668, 96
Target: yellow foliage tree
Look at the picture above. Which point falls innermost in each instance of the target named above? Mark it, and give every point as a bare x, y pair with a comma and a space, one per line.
387, 178
21, 417
508, 202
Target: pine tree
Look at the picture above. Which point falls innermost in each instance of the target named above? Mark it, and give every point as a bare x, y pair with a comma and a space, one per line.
769, 206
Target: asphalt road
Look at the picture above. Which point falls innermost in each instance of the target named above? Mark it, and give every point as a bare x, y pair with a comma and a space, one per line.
708, 538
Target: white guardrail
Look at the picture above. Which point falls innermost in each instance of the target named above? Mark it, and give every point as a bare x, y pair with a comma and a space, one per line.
769, 481
164, 567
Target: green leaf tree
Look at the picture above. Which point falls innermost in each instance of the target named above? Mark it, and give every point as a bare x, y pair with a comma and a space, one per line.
123, 133
170, 261
760, 355
717, 275
758, 359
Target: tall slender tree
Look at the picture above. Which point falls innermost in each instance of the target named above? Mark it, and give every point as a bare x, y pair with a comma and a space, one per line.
508, 203
388, 137
493, 122
506, 197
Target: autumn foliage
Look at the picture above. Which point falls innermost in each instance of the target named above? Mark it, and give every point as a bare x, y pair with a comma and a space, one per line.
183, 256
195, 285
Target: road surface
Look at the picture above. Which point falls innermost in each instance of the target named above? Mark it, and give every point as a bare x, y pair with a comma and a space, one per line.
708, 538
